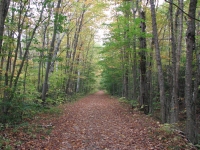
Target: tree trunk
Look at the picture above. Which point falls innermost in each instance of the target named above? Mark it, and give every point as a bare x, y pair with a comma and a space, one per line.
179, 39
159, 64
174, 101
44, 45
134, 66
56, 50
79, 24
142, 53
150, 78
20, 26
190, 45
4, 6
197, 56
45, 84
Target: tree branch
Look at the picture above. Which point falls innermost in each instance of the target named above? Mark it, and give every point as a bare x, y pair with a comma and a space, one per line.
182, 11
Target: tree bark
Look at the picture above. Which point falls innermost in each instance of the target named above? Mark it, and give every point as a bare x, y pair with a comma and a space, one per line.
44, 45
174, 101
4, 6
190, 46
79, 24
159, 63
134, 65
45, 84
142, 53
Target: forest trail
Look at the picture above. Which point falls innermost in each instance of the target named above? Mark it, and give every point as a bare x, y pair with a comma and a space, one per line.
99, 122
95, 122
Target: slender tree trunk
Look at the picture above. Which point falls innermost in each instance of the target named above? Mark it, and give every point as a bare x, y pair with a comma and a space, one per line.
78, 72
190, 103
85, 62
159, 64
79, 24
27, 48
4, 6
126, 83
25, 76
197, 73
174, 98
56, 50
149, 79
126, 49
142, 53
45, 84
179, 39
134, 66
44, 45
20, 25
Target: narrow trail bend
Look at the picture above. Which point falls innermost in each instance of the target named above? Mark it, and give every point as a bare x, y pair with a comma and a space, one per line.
99, 122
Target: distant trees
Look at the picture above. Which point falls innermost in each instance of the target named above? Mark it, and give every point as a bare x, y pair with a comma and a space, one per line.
121, 69
158, 71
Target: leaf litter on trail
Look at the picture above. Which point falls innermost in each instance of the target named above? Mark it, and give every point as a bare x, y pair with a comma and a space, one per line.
99, 122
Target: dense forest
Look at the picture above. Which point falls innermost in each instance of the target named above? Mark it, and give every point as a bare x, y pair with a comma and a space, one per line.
50, 54
151, 56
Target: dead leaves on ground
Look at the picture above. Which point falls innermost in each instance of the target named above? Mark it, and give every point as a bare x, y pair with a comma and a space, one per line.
96, 122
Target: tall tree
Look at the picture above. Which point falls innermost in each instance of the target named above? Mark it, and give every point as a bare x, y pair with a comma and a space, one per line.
125, 49
142, 53
4, 6
159, 64
179, 39
134, 62
174, 100
50, 53
78, 27
190, 46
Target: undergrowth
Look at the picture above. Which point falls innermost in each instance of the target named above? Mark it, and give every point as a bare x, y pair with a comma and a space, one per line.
21, 115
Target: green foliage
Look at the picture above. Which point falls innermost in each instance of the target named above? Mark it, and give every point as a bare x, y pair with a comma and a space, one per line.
24, 98
134, 103
156, 105
117, 55
168, 128
23, 108
4, 143
168, 134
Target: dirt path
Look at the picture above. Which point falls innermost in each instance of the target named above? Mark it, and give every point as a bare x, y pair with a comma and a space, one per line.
96, 122
99, 122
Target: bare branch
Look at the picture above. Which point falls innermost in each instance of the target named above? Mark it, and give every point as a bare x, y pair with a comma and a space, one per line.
182, 11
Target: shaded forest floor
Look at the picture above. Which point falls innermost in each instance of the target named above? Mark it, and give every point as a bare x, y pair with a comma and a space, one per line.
95, 122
